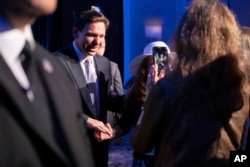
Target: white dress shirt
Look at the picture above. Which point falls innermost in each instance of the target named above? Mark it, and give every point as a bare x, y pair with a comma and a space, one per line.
94, 94
12, 41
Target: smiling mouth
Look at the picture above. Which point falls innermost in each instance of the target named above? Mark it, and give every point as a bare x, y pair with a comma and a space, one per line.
92, 50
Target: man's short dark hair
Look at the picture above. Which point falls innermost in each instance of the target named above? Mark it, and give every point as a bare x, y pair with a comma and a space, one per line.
88, 17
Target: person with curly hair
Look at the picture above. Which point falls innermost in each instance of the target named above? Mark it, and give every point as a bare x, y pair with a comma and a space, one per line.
245, 38
195, 116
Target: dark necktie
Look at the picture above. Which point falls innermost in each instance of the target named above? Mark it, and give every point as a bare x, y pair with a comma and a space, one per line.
25, 56
26, 61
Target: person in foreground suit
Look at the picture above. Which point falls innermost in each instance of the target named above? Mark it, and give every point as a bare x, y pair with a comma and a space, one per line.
81, 60
40, 112
195, 116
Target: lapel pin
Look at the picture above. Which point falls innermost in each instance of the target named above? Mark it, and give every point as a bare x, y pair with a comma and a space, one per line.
47, 66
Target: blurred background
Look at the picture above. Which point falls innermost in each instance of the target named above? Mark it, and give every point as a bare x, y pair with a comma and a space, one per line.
133, 24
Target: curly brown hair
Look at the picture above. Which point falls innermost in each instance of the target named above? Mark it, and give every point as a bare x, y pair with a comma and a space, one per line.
245, 38
208, 30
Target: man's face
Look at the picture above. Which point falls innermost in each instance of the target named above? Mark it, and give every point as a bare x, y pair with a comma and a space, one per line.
90, 38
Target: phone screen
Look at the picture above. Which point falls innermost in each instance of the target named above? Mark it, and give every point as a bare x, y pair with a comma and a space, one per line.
160, 57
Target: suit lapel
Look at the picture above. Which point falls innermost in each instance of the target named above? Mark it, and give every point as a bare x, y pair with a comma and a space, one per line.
80, 80
12, 89
48, 75
23, 108
99, 71
78, 75
102, 70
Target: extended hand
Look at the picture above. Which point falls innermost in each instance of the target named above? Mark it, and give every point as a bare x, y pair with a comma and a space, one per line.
100, 136
99, 126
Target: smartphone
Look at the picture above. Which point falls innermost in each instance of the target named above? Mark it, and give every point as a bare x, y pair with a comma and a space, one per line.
160, 55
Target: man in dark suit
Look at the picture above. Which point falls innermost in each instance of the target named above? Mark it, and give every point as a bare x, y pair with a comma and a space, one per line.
40, 113
89, 31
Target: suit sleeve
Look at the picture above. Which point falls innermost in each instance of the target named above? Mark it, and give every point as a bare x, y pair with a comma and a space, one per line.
116, 94
116, 86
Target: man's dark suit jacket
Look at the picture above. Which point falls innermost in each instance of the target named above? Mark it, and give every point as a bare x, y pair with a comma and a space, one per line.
69, 59
22, 143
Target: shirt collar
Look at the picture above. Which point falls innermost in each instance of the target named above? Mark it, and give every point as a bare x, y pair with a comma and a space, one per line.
12, 40
80, 55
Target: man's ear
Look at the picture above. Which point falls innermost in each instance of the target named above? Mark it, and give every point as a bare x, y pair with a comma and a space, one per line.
75, 32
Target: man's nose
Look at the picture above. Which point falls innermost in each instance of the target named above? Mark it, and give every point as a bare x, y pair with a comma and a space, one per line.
97, 40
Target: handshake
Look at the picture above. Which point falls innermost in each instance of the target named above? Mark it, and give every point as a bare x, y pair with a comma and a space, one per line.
101, 131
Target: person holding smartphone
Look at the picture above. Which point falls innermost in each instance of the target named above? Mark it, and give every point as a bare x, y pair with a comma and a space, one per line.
143, 68
195, 117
